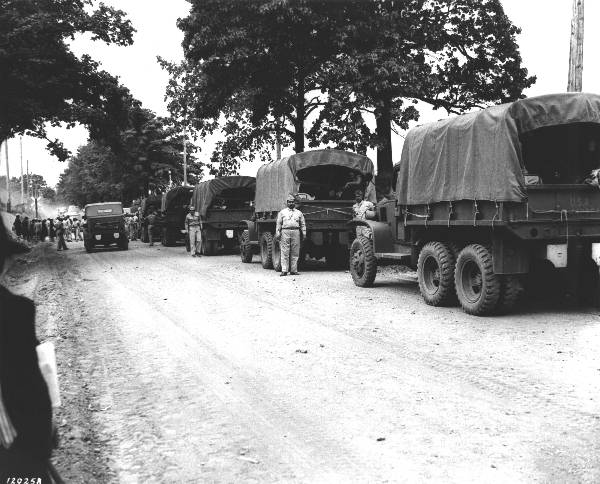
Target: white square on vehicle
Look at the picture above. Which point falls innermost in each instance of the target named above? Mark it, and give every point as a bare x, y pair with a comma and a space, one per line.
557, 254
116, 234
596, 253
98, 237
229, 234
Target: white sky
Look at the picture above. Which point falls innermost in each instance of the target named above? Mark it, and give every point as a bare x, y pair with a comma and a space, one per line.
544, 44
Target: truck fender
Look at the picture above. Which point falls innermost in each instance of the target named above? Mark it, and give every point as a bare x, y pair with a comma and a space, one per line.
250, 226
381, 234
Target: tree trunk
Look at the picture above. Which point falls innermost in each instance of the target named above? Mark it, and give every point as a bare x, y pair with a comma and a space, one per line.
385, 164
300, 115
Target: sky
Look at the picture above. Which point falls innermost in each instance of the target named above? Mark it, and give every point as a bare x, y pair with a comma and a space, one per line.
543, 42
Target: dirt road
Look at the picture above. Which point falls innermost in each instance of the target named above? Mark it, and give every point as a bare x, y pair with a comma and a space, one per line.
210, 370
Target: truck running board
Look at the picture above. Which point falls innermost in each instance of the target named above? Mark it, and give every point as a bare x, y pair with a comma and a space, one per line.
403, 257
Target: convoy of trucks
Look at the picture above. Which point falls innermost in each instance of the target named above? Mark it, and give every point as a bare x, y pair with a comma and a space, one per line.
482, 201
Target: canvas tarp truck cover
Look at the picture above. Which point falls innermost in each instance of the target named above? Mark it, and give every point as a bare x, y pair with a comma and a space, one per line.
205, 192
477, 156
276, 180
177, 195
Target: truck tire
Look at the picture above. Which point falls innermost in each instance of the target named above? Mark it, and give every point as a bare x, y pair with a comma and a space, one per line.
363, 264
477, 286
124, 243
435, 273
89, 246
167, 238
511, 292
276, 255
187, 242
245, 247
144, 236
266, 250
209, 247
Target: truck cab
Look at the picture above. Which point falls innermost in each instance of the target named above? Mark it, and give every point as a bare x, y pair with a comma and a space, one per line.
104, 225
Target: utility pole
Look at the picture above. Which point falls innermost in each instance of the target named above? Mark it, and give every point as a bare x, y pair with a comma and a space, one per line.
184, 157
278, 145
28, 196
7, 177
576, 52
22, 186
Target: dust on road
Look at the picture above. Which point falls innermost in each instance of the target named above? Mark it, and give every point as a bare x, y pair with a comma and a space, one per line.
211, 370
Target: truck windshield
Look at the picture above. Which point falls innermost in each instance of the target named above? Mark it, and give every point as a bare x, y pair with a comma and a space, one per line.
330, 182
561, 154
231, 198
104, 210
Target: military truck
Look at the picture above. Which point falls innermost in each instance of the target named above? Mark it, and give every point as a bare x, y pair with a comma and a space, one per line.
318, 180
174, 209
154, 201
486, 199
104, 225
223, 203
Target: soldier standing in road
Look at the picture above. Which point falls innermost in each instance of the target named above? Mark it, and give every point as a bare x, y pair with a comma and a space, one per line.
60, 233
17, 226
362, 209
290, 231
192, 223
151, 220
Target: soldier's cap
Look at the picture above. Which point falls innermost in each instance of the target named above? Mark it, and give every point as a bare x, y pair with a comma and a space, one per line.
191, 207
290, 198
8, 245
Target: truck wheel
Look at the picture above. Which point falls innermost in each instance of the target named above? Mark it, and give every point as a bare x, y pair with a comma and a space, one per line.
363, 264
209, 247
187, 242
477, 286
89, 247
266, 250
276, 255
245, 247
435, 272
511, 291
144, 237
124, 244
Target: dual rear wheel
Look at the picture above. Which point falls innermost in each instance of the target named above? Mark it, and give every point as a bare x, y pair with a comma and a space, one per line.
447, 274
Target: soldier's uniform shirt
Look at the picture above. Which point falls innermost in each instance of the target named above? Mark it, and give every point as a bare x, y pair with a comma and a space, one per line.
290, 223
360, 210
192, 220
291, 219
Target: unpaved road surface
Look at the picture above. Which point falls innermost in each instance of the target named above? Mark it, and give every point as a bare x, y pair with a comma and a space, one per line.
176, 369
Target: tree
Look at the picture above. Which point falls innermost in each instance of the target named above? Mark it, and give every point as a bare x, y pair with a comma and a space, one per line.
453, 54
142, 158
261, 72
42, 80
280, 64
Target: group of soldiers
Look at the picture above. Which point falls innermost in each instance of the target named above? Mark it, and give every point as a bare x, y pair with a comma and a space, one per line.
64, 228
132, 224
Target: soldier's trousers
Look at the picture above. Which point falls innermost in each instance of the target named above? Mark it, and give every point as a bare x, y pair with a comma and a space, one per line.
150, 234
195, 239
290, 249
61, 242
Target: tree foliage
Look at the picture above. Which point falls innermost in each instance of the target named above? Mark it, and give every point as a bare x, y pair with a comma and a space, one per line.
275, 68
143, 158
43, 81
